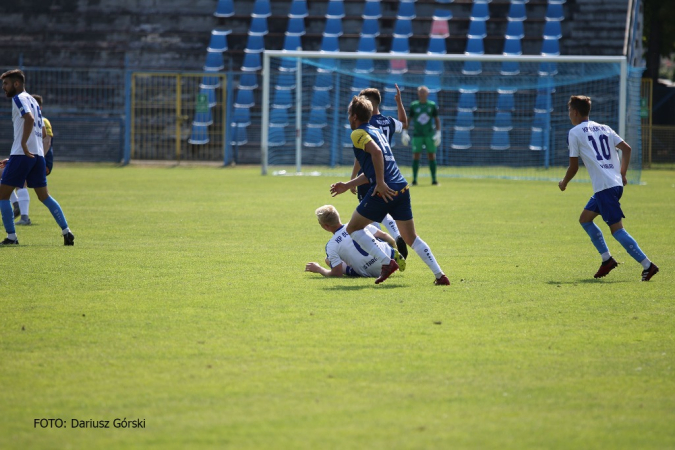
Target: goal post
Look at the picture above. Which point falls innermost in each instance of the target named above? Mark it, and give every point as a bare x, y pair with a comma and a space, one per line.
502, 116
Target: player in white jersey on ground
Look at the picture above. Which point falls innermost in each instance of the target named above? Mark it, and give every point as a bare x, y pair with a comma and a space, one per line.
344, 256
26, 163
389, 126
596, 144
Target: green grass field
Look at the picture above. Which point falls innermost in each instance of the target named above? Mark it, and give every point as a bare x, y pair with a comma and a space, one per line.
185, 303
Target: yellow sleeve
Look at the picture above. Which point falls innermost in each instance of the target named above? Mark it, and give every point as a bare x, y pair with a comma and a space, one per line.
360, 138
48, 127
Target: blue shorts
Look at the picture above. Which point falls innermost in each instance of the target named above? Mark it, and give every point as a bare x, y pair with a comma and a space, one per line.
21, 169
362, 190
375, 208
606, 203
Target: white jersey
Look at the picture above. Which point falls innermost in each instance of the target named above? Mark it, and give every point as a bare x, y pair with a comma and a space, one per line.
22, 104
341, 248
596, 144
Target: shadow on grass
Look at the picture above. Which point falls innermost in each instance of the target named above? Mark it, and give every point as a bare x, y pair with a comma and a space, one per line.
587, 281
362, 287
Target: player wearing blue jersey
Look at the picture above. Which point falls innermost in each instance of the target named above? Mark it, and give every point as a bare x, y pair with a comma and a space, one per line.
389, 193
26, 163
596, 144
389, 126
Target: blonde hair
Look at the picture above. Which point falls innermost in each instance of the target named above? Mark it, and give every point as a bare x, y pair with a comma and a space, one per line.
362, 108
328, 215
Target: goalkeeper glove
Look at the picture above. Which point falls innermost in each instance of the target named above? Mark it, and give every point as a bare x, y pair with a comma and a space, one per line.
437, 138
405, 137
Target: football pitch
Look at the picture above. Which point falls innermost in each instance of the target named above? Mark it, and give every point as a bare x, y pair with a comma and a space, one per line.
184, 303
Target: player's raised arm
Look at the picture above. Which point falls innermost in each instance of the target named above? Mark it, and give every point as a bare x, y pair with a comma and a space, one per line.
402, 116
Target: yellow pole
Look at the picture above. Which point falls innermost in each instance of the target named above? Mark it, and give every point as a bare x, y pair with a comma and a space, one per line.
223, 90
179, 116
133, 110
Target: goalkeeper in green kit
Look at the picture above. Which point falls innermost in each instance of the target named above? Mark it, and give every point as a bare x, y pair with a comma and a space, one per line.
424, 136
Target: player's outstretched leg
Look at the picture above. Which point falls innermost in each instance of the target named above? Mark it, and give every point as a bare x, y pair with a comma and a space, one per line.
8, 222
400, 260
424, 252
390, 224
15, 204
57, 212
598, 240
633, 249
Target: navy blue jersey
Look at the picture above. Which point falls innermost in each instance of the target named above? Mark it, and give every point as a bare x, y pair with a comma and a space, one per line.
387, 124
367, 133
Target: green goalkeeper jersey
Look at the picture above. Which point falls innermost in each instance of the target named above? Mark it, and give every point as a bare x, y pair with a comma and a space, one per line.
421, 115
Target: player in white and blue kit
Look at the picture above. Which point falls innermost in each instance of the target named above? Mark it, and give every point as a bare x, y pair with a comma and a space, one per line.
389, 193
346, 257
596, 144
26, 163
389, 126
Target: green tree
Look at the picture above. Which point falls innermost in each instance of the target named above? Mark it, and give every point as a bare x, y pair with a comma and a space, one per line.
659, 33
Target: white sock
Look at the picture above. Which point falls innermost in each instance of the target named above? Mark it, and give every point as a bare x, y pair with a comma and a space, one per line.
646, 263
13, 198
65, 231
24, 200
11, 236
424, 252
605, 256
390, 224
366, 241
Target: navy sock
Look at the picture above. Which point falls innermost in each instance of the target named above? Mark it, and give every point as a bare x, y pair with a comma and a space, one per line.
56, 211
595, 233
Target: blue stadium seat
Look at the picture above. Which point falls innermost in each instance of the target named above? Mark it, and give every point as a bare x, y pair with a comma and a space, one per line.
512, 47
388, 105
336, 8
541, 120
371, 10
433, 82
292, 42
554, 11
279, 117
298, 9
261, 8
464, 120
277, 136
467, 101
239, 136
251, 62
210, 82
218, 41
330, 44
461, 140
296, 26
399, 44
333, 27
314, 137
406, 10
367, 44
346, 136
500, 140
199, 135
244, 98
437, 45
505, 101
433, 67
242, 116
433, 96
364, 66
474, 46
517, 12
225, 8
371, 27
248, 80
285, 80
323, 81
317, 118
477, 29
211, 95
359, 84
283, 98
321, 99
537, 140
480, 11
258, 26
203, 118
552, 29
442, 14
214, 61
514, 29
472, 68
446, 2
543, 103
392, 80
403, 27
550, 47
548, 69
255, 43
503, 121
